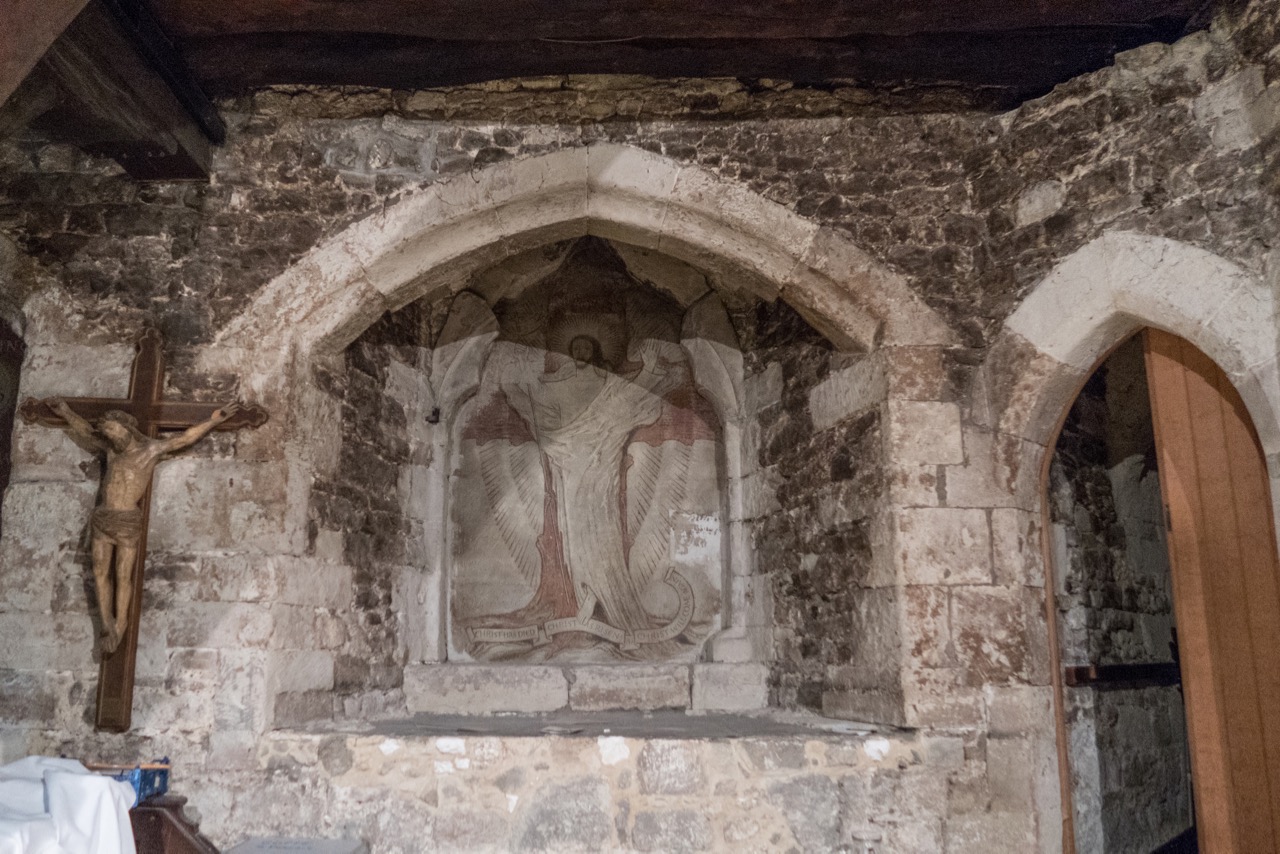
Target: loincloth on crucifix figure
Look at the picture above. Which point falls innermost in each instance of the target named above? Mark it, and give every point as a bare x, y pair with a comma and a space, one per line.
117, 524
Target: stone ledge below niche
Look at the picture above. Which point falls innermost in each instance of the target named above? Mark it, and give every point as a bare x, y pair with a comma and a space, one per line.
481, 689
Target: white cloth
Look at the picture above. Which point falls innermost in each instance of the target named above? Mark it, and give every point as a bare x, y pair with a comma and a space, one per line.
57, 806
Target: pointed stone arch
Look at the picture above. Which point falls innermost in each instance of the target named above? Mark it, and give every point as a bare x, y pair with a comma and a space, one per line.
1094, 299
1124, 280
430, 242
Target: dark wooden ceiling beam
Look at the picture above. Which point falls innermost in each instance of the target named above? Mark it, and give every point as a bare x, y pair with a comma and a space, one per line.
121, 91
1006, 67
27, 28
519, 20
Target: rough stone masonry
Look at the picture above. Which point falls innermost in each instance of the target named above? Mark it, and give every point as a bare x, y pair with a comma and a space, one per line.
889, 504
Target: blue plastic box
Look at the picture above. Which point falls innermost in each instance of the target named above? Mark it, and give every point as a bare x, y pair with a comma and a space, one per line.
147, 778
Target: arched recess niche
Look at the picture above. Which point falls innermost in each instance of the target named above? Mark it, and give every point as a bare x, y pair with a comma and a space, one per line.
1090, 303
430, 245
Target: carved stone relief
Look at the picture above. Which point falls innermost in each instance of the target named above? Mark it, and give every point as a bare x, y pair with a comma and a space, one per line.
587, 489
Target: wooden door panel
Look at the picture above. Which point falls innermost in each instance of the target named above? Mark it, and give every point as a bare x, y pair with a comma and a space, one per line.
1226, 587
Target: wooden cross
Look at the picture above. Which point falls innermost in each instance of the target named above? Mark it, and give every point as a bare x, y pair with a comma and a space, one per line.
145, 403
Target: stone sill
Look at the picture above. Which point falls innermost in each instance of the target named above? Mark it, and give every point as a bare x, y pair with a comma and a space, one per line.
668, 724
486, 689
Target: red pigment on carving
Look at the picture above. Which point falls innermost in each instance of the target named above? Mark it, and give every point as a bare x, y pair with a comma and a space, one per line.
686, 417
497, 420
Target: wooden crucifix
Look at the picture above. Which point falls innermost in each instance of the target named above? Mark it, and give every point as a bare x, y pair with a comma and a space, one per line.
128, 430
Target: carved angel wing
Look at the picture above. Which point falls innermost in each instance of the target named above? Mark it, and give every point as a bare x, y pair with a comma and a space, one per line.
509, 461
512, 477
656, 487
709, 339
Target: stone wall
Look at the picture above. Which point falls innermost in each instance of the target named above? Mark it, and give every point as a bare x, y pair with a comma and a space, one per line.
814, 546
360, 507
972, 209
901, 552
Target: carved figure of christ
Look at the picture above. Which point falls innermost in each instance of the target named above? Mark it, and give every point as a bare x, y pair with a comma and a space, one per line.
582, 417
128, 429
118, 520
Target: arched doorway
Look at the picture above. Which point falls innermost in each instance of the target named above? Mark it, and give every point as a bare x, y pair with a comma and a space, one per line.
1212, 536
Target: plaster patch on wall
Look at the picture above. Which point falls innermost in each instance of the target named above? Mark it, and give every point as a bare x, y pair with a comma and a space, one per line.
613, 749
876, 748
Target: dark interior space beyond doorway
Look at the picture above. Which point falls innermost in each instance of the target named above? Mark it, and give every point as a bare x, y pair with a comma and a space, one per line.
1130, 766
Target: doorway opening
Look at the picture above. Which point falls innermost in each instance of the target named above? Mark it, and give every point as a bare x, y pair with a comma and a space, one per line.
1167, 604
11, 353
1129, 757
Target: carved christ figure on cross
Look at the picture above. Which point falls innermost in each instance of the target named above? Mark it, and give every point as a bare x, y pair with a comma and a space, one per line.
118, 519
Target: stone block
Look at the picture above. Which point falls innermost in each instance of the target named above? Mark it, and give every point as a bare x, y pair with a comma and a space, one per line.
302, 707
943, 546
480, 689
943, 752
927, 626
300, 670
917, 373
27, 697
976, 482
990, 831
232, 750
296, 628
312, 582
44, 523
42, 454
988, 626
729, 687
760, 493
1039, 202
671, 768
763, 389
811, 805
230, 625
1239, 110
1017, 558
847, 392
242, 700
237, 578
770, 754
572, 816
13, 744
1019, 709
647, 687
939, 698
914, 485
76, 370
47, 642
924, 432
217, 504
674, 830
870, 705
470, 830
1011, 771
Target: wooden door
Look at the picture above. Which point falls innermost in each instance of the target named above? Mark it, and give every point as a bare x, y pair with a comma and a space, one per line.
1226, 590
